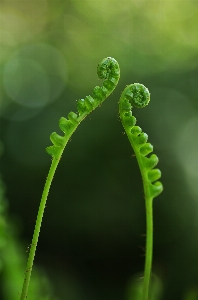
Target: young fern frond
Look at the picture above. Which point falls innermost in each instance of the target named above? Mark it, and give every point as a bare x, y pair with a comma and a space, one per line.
108, 70
138, 95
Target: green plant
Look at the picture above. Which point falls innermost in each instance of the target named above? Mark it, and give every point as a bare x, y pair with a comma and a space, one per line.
133, 95
138, 95
108, 70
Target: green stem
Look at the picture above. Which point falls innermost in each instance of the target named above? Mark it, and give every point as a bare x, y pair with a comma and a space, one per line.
138, 95
50, 176
149, 247
149, 222
149, 216
37, 228
108, 70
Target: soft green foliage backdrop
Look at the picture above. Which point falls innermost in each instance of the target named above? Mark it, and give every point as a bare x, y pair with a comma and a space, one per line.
91, 238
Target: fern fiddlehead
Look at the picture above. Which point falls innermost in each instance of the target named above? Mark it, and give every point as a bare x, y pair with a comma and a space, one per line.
137, 95
108, 69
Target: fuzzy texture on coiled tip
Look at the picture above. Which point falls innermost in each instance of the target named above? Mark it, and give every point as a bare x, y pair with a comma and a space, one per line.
137, 94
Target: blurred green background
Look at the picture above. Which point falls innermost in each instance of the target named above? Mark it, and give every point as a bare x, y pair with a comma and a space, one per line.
92, 238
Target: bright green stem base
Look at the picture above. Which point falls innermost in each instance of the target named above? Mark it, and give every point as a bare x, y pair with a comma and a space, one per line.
37, 228
149, 248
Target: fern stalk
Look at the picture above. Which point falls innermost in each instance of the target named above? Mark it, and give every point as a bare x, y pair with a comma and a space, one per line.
138, 95
108, 70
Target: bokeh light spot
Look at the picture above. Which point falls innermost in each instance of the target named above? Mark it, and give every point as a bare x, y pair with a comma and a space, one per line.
26, 82
35, 76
